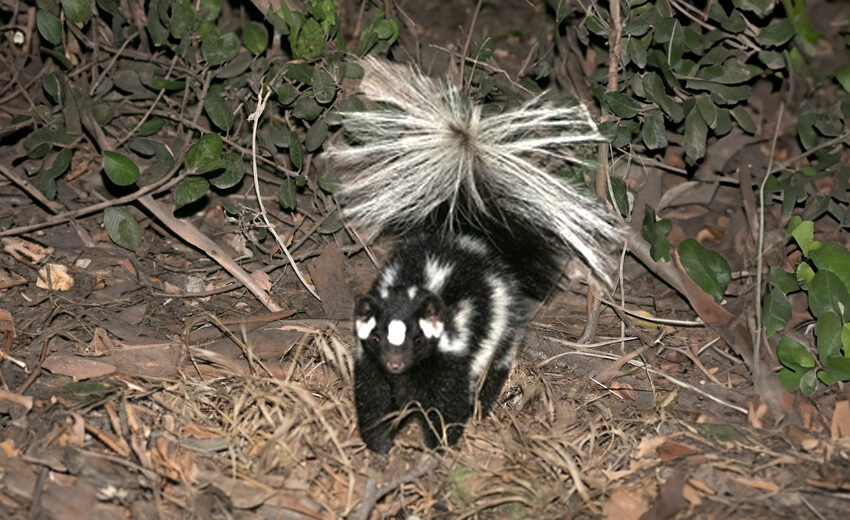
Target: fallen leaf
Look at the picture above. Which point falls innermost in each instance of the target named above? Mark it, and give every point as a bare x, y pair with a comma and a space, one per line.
648, 446
755, 483
625, 504
840, 426
671, 450
8, 448
76, 367
262, 279
25, 251
54, 277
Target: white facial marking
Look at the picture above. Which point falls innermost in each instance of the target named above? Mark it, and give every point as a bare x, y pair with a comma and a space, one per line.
458, 342
472, 244
395, 332
364, 328
431, 328
436, 275
499, 300
387, 280
411, 291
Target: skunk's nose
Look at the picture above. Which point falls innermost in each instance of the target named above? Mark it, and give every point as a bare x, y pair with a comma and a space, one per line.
395, 365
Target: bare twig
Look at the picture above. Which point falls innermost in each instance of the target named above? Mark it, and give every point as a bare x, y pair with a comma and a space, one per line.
255, 117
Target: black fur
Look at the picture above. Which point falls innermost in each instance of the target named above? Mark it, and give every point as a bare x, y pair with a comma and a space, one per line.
417, 380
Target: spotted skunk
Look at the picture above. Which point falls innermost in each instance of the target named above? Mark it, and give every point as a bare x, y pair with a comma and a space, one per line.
483, 229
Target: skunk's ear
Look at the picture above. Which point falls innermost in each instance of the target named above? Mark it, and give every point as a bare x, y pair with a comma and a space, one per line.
430, 307
430, 315
365, 307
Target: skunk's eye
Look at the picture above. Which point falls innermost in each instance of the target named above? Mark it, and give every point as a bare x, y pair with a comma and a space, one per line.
418, 340
375, 339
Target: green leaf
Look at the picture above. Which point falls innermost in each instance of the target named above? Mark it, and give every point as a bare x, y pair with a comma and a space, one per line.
656, 92
776, 34
324, 88
331, 225
838, 367
78, 11
122, 228
53, 85
47, 178
808, 383
842, 74
785, 282
300, 72
595, 25
159, 34
721, 94
316, 135
328, 181
832, 257
204, 155
286, 196
103, 112
803, 232
296, 151
286, 94
653, 131
49, 27
220, 49
219, 112
776, 311
791, 353
306, 108
708, 269
707, 110
771, 59
828, 334
621, 105
730, 73
182, 19
120, 169
151, 126
255, 37
167, 84
791, 379
620, 195
744, 120
233, 170
696, 133
828, 294
189, 190
804, 273
637, 52
806, 130
655, 233
310, 41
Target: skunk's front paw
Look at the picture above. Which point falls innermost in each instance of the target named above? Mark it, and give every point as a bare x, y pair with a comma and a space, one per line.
378, 439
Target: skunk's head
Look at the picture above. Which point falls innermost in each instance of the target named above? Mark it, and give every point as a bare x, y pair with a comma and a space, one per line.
399, 330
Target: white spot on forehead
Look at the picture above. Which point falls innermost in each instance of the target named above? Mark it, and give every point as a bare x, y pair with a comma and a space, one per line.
395, 332
458, 342
497, 328
431, 328
411, 291
472, 244
436, 274
364, 328
387, 280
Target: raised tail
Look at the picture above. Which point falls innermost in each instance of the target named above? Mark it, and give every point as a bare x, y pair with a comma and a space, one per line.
431, 153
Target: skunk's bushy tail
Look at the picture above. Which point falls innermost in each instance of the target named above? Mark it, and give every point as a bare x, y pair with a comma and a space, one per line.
432, 154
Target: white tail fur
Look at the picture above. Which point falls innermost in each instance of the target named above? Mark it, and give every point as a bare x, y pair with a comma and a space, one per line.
408, 161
